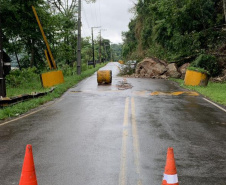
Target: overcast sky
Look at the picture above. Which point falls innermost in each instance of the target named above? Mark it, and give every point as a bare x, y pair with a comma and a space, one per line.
111, 15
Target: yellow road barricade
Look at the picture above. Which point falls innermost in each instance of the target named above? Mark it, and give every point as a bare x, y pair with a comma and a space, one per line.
195, 78
52, 78
104, 77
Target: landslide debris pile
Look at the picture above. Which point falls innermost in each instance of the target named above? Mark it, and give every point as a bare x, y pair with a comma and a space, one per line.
155, 68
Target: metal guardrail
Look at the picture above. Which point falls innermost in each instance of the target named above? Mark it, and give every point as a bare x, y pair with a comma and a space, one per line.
90, 62
5, 101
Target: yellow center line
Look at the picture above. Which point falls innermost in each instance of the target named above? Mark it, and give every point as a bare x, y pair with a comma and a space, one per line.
136, 147
123, 173
123, 169
126, 113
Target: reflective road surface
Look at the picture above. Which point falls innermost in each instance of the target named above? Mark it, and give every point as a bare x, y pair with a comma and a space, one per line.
118, 134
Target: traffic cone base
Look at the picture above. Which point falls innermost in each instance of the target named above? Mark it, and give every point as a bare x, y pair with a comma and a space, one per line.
170, 179
28, 176
170, 175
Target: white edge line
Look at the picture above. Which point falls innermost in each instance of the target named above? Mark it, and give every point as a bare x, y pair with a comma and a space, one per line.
28, 114
215, 105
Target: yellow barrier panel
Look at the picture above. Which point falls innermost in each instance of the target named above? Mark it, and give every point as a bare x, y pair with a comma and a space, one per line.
121, 62
195, 78
52, 78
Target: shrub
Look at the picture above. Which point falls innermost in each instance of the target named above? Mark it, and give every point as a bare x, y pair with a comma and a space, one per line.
126, 70
207, 62
68, 70
26, 77
201, 70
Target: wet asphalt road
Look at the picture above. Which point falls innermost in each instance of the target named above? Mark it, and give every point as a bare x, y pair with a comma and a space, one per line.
100, 135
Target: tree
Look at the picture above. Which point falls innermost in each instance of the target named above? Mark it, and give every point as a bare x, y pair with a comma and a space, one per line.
224, 6
117, 51
65, 37
23, 38
20, 28
173, 30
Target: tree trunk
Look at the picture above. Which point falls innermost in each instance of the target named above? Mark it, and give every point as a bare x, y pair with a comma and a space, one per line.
2, 79
17, 59
32, 53
224, 5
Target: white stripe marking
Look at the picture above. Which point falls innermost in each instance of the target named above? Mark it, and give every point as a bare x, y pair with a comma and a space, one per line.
215, 105
26, 115
170, 179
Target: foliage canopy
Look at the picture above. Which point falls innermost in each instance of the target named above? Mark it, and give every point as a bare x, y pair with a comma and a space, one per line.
175, 29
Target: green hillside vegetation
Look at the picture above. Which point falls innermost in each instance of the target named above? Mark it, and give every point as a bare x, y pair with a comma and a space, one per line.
116, 52
177, 31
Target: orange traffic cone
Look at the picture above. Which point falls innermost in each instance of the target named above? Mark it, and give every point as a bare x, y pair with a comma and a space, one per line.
170, 174
28, 176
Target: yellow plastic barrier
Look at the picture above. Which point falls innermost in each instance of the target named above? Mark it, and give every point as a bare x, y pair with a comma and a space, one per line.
195, 78
52, 78
104, 77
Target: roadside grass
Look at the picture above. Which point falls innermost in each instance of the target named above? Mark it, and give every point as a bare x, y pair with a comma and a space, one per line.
214, 91
23, 107
25, 89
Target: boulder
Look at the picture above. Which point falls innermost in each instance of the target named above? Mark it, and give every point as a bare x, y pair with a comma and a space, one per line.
151, 68
172, 71
182, 69
221, 78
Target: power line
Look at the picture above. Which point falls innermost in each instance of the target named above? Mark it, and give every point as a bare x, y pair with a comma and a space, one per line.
95, 12
85, 16
85, 33
100, 13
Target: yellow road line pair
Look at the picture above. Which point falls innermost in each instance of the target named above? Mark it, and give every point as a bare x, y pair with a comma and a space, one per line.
136, 148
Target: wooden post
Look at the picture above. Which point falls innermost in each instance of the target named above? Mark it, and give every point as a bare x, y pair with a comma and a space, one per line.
44, 37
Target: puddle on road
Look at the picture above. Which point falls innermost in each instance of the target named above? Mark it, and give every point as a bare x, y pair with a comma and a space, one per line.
124, 85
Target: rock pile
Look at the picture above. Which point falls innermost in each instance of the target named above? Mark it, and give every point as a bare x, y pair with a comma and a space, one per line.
155, 68
151, 68
221, 78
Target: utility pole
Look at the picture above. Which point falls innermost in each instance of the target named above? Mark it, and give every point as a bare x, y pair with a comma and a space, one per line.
111, 51
100, 48
93, 46
79, 39
106, 54
2, 79
93, 49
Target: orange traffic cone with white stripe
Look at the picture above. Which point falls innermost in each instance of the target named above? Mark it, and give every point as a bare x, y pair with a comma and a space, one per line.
170, 175
28, 176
